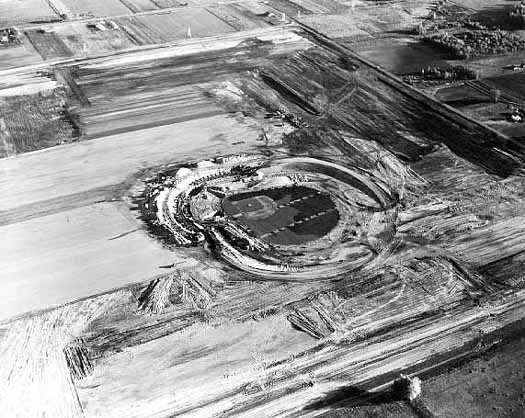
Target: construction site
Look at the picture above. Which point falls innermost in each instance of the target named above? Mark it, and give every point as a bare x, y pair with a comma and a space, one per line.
307, 208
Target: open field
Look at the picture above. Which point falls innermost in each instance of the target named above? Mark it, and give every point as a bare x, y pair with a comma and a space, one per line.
48, 44
492, 66
401, 55
15, 12
284, 216
90, 165
481, 4
49, 251
83, 41
139, 5
34, 121
20, 55
513, 84
41, 217
104, 317
92, 8
159, 28
240, 16
364, 19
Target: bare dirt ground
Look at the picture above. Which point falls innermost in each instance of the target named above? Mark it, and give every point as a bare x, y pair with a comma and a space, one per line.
96, 7
14, 12
54, 259
91, 164
53, 229
20, 55
236, 351
223, 343
490, 386
52, 207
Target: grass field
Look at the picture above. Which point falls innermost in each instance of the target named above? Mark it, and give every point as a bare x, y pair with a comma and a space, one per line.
57, 238
337, 26
461, 95
163, 4
401, 55
96, 7
167, 27
63, 256
20, 55
34, 121
48, 44
139, 5
515, 131
237, 16
481, 4
513, 84
290, 215
86, 42
14, 12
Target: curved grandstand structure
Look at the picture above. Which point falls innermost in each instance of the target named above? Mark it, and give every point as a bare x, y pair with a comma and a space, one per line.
297, 218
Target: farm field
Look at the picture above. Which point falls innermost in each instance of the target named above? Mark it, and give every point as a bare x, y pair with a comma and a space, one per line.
371, 20
167, 88
240, 16
513, 84
492, 66
48, 44
460, 95
93, 100
71, 229
15, 12
139, 5
516, 131
20, 55
33, 121
77, 39
400, 55
167, 27
85, 42
90, 165
214, 211
96, 8
49, 251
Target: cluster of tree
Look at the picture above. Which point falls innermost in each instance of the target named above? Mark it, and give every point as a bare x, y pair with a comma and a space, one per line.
479, 42
434, 73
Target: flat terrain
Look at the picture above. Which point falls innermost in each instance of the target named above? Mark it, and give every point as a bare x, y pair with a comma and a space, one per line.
102, 318
87, 166
72, 233
513, 84
20, 55
489, 386
15, 11
96, 7
50, 260
295, 215
401, 55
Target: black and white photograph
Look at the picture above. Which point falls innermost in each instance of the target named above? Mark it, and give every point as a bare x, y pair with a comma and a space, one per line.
262, 208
